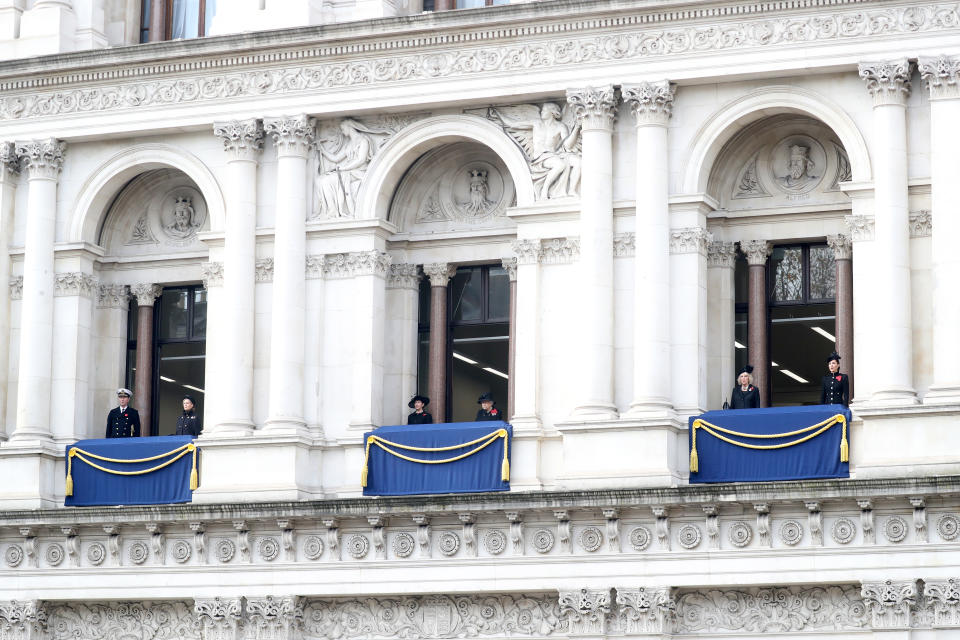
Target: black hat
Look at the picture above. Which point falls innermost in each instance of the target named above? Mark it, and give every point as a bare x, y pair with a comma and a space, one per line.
190, 398
746, 369
487, 397
833, 356
424, 399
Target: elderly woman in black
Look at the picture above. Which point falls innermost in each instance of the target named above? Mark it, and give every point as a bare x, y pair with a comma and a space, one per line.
744, 394
419, 416
188, 424
835, 388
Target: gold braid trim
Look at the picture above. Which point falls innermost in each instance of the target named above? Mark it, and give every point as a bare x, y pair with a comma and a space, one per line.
817, 429
179, 452
485, 440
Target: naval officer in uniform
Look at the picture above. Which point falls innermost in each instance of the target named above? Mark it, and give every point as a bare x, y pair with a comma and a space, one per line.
123, 421
835, 388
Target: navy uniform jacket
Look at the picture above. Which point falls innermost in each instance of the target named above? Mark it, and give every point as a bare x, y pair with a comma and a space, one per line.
123, 423
420, 418
489, 416
749, 399
188, 424
835, 389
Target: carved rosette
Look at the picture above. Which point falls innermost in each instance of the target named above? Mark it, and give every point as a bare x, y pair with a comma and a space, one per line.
356, 263
439, 273
944, 596
641, 610
624, 245
263, 270
211, 274
527, 251
595, 107
25, 619
650, 102
113, 296
292, 135
403, 276
941, 75
888, 82
559, 250
585, 611
146, 293
219, 618
721, 254
921, 224
9, 159
756, 251
272, 617
842, 246
890, 603
242, 139
75, 283
42, 158
861, 227
510, 266
689, 240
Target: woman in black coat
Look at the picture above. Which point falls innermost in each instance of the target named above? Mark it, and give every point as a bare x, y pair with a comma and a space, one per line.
835, 388
744, 394
188, 424
419, 415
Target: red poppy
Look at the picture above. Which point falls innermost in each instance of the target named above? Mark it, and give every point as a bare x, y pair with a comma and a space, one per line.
124, 415
839, 378
493, 412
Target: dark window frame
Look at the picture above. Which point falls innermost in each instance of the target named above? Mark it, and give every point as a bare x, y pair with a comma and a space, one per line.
805, 275
145, 17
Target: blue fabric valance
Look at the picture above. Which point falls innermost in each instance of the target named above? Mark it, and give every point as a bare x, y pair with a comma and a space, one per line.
736, 446
463, 457
115, 471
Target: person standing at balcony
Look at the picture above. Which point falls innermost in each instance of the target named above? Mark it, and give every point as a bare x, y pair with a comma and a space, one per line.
744, 394
419, 415
487, 412
188, 424
835, 388
123, 421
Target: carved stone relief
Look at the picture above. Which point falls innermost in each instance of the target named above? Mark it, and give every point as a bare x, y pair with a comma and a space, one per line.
133, 620
748, 184
798, 164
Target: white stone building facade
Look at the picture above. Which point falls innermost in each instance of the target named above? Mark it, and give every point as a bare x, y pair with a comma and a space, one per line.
309, 181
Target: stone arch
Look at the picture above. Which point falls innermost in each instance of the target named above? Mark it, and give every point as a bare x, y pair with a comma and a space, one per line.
106, 181
723, 125
401, 151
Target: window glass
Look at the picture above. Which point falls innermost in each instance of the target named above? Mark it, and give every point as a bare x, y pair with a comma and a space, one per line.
823, 273
181, 368
801, 336
145, 21
199, 313
787, 274
471, 4
479, 364
210, 11
185, 20
132, 316
174, 315
741, 274
499, 295
467, 293
424, 302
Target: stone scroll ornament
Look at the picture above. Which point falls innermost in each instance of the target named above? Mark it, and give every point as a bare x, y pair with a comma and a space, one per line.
549, 136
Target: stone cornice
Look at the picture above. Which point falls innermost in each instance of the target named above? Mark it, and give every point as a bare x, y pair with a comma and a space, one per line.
288, 61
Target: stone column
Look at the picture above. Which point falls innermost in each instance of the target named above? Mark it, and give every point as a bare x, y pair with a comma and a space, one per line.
146, 294
526, 375
757, 252
596, 110
400, 349
313, 346
942, 77
652, 104
439, 274
212, 278
9, 173
510, 264
292, 138
109, 358
889, 84
861, 233
843, 254
158, 20
243, 141
688, 327
74, 294
43, 160
721, 261
369, 284
444, 5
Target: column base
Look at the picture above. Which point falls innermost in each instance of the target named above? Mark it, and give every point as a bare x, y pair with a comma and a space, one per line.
893, 397
650, 411
232, 429
525, 459
31, 476
29, 438
942, 395
284, 425
599, 412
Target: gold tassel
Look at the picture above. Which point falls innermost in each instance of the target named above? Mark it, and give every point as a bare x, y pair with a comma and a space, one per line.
505, 470
844, 450
694, 461
363, 475
69, 490
194, 477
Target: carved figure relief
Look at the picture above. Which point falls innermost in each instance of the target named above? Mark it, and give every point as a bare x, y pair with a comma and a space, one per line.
798, 163
748, 184
141, 233
550, 138
182, 223
471, 193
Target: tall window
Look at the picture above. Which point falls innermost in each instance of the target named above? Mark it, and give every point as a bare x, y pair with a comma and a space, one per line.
182, 18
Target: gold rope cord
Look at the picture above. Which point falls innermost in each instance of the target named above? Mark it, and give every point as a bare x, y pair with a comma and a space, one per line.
817, 429
485, 440
179, 451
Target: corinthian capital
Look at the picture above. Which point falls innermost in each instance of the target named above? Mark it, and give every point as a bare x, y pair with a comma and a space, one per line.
595, 108
888, 82
650, 102
941, 75
276, 617
585, 610
293, 135
8, 159
242, 139
43, 158
439, 273
889, 602
24, 619
841, 245
756, 251
146, 293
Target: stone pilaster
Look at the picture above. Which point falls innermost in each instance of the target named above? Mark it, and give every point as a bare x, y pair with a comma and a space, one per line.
219, 618
643, 611
586, 611
889, 603
276, 618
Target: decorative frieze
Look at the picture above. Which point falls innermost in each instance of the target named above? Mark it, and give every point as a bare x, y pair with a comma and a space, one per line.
263, 270
16, 288
612, 516
888, 81
403, 276
154, 620
650, 102
841, 245
641, 610
242, 139
356, 263
689, 240
211, 274
890, 603
559, 250
113, 296
585, 611
527, 251
721, 254
219, 618
314, 266
595, 107
941, 75
624, 245
75, 283
861, 227
42, 158
292, 135
921, 223
145, 293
